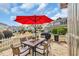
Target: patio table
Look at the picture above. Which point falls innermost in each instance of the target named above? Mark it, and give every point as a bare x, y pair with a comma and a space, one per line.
33, 44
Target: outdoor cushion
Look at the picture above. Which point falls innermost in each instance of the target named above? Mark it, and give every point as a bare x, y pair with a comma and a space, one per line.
40, 51
24, 49
25, 53
40, 47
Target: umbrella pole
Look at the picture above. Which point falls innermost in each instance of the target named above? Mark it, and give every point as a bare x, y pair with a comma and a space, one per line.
35, 28
35, 32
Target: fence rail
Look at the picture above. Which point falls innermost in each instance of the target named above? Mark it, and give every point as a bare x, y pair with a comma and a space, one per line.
5, 43
15, 40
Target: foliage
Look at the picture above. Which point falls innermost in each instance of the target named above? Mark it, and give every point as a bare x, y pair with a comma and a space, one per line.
29, 30
59, 30
7, 33
54, 31
42, 30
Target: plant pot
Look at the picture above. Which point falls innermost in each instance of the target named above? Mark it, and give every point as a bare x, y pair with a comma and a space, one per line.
56, 38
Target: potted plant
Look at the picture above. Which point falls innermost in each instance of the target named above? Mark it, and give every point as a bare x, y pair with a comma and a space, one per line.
56, 36
58, 31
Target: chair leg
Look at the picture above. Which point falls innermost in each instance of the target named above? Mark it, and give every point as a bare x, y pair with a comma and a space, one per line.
29, 51
47, 51
44, 54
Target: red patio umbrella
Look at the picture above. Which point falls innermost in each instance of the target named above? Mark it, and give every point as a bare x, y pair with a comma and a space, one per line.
35, 19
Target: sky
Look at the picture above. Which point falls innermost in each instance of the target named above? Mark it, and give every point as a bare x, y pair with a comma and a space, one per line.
9, 11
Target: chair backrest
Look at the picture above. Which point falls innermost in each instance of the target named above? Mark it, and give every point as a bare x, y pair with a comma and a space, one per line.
30, 37
15, 50
23, 39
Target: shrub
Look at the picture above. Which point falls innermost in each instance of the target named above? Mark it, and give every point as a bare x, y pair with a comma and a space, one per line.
59, 30
54, 31
7, 33
42, 30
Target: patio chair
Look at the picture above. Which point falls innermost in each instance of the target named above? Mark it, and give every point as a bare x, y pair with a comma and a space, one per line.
29, 37
44, 48
22, 40
19, 51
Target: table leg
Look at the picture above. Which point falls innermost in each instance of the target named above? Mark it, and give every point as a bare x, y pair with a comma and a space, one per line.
33, 51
